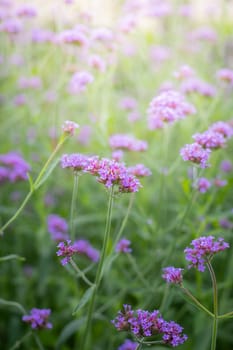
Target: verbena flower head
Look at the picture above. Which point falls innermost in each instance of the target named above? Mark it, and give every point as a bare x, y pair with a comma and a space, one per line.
196, 85
79, 82
82, 246
140, 170
73, 36
13, 167
202, 249
69, 127
38, 318
123, 246
127, 142
203, 184
168, 107
184, 72
210, 139
66, 250
142, 324
128, 345
172, 275
225, 74
196, 153
128, 103
75, 161
226, 166
57, 227
223, 128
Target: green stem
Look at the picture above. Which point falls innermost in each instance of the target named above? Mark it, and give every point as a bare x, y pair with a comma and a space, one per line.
227, 315
14, 304
192, 297
38, 342
72, 209
99, 269
20, 341
139, 346
80, 273
215, 305
35, 186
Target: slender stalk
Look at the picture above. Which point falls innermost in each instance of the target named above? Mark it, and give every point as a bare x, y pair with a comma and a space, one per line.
20, 341
73, 207
35, 186
227, 315
215, 306
99, 270
139, 346
38, 342
80, 273
192, 297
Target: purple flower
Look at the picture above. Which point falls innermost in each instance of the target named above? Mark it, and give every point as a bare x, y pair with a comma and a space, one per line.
26, 11
13, 167
210, 139
202, 249
223, 128
184, 72
226, 166
82, 246
226, 224
79, 82
57, 227
76, 161
69, 127
168, 107
96, 62
225, 74
127, 142
173, 275
73, 36
128, 103
195, 153
38, 318
33, 82
219, 182
203, 184
66, 250
140, 170
198, 86
123, 246
173, 333
128, 345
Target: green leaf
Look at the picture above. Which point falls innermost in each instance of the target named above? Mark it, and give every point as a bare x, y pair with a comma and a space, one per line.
14, 304
30, 182
68, 330
85, 298
12, 256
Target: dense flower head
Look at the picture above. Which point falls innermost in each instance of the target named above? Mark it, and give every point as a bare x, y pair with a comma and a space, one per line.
66, 250
75, 161
79, 82
199, 86
82, 246
140, 170
73, 36
172, 275
226, 166
203, 248
203, 184
57, 227
123, 246
128, 345
38, 318
225, 74
195, 153
223, 128
69, 127
127, 142
210, 139
142, 323
13, 167
168, 107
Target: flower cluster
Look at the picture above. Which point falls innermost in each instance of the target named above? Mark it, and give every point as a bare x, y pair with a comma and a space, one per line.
143, 324
139, 170
203, 184
215, 137
82, 246
168, 107
66, 250
69, 127
79, 82
195, 85
57, 227
203, 248
13, 167
123, 246
38, 318
127, 142
173, 274
33, 82
128, 345
107, 171
226, 75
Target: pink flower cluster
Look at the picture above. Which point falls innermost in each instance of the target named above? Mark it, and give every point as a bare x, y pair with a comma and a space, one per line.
140, 170
127, 142
79, 82
215, 137
168, 107
199, 86
107, 171
172, 275
13, 167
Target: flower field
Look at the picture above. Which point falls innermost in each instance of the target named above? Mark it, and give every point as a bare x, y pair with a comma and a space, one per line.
116, 175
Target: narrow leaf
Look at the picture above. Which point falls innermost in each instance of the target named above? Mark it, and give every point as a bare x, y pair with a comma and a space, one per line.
85, 298
12, 256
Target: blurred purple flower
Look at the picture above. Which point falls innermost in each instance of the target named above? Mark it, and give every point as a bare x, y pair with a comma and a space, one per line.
123, 246
173, 275
82, 246
57, 227
196, 154
38, 318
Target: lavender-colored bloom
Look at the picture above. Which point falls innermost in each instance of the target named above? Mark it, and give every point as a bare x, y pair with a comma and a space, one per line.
69, 127
226, 166
13, 167
203, 184
42, 36
133, 116
168, 107
160, 53
73, 36
57, 227
128, 103
79, 82
202, 249
198, 86
196, 154
66, 250
128, 345
118, 155
173, 333
140, 170
223, 128
82, 246
26, 11
38, 318
11, 26
225, 74
20, 100
127, 142
96, 62
102, 34
123, 246
33, 82
75, 161
226, 224
219, 182
204, 34
172, 275
184, 72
